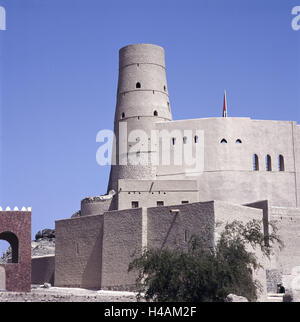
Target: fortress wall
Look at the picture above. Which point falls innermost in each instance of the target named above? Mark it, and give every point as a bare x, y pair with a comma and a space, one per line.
148, 192
288, 223
78, 252
227, 213
173, 230
228, 168
246, 187
42, 269
122, 237
296, 132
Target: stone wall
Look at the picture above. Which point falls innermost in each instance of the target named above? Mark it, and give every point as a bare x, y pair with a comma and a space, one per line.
42, 269
78, 252
288, 223
122, 241
148, 192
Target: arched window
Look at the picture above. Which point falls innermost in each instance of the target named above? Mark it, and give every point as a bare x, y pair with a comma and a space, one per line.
280, 163
238, 141
173, 141
155, 113
165, 88
138, 85
268, 163
123, 115
12, 239
223, 141
184, 140
196, 139
255, 162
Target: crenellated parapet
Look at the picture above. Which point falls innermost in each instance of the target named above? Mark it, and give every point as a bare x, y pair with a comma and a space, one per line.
16, 209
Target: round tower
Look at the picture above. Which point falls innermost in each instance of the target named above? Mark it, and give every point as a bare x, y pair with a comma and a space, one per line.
142, 100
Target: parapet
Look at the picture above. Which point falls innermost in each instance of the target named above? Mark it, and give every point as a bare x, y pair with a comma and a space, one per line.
16, 209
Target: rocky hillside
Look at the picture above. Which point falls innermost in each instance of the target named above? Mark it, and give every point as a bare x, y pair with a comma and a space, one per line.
44, 244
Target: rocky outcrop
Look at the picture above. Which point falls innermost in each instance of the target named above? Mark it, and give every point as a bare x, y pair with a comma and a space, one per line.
45, 233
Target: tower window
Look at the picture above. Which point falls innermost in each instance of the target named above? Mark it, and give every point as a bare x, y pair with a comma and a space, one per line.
268, 163
280, 163
223, 141
238, 141
184, 201
196, 139
159, 203
134, 204
173, 141
255, 162
138, 85
123, 115
184, 140
165, 88
155, 113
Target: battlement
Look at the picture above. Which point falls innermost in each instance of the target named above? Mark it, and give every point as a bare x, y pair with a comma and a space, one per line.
16, 209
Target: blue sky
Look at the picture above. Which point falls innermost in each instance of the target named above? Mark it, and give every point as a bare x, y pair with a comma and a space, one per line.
59, 68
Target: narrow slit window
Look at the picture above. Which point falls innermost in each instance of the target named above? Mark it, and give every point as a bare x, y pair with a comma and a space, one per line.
281, 163
123, 115
196, 138
268, 163
255, 162
173, 141
186, 236
184, 140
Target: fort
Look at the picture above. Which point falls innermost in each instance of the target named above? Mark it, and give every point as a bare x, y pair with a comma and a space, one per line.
251, 169
248, 169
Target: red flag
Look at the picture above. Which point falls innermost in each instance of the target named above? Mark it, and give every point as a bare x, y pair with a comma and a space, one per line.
225, 105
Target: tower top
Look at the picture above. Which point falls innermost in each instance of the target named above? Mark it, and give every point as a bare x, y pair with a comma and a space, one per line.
141, 54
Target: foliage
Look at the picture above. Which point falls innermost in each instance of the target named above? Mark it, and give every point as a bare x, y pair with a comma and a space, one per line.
203, 274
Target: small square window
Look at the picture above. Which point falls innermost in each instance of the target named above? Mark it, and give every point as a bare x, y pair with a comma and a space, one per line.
134, 204
160, 203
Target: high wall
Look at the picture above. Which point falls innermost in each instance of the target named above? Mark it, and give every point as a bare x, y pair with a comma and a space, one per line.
228, 168
288, 223
296, 135
43, 269
108, 243
122, 240
78, 252
148, 193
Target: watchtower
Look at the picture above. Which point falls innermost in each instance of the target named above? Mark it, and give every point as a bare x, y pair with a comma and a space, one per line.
142, 100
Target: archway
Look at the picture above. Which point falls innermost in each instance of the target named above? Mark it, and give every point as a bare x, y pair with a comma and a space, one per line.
12, 239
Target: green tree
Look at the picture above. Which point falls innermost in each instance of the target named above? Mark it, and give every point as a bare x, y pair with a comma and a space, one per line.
204, 274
